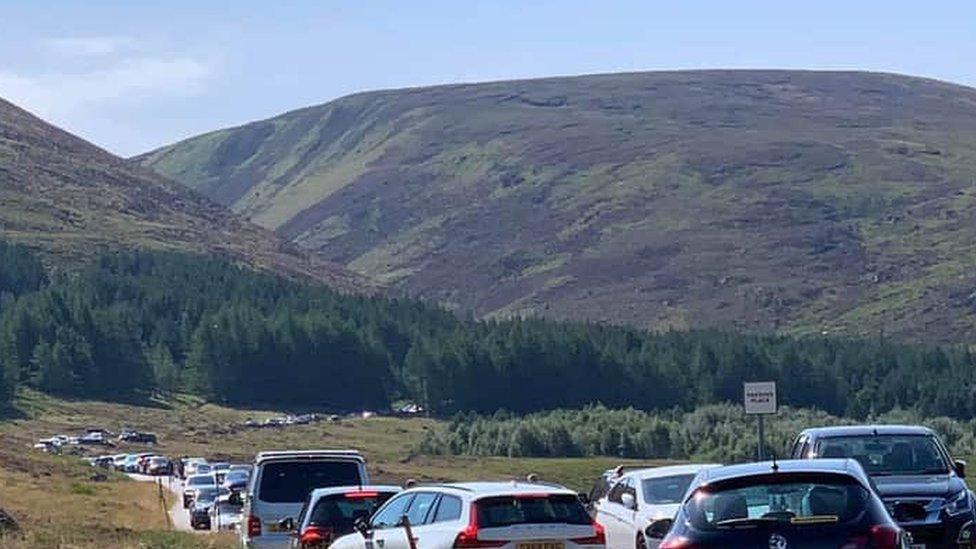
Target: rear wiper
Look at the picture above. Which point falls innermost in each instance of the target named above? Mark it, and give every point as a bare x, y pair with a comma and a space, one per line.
746, 522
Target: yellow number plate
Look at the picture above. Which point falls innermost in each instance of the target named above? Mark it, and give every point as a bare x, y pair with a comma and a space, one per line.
542, 545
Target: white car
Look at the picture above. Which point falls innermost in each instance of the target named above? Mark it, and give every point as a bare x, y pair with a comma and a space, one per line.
640, 497
505, 515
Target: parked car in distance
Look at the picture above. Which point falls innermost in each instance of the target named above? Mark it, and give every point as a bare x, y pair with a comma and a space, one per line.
795, 504
913, 472
159, 465
137, 437
192, 466
118, 461
510, 515
193, 485
640, 497
330, 513
281, 482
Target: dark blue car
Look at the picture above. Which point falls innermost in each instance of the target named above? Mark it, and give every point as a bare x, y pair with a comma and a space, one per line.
791, 504
911, 469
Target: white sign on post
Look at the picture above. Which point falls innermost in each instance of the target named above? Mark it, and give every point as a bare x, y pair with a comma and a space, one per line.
759, 397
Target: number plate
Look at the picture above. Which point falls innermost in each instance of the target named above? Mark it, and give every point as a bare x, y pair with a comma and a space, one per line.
918, 546
542, 545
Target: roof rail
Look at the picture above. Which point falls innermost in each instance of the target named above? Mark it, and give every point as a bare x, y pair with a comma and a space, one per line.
275, 454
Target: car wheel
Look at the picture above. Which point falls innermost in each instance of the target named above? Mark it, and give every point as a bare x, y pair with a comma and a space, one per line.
641, 543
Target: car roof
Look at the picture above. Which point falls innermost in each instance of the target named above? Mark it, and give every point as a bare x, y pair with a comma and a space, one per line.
499, 488
320, 492
308, 454
867, 430
848, 467
669, 470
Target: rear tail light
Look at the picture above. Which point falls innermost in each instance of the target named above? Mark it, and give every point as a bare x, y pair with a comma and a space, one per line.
677, 542
468, 538
881, 536
253, 526
313, 536
599, 536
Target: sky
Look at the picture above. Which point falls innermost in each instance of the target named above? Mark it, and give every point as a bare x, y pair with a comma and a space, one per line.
134, 75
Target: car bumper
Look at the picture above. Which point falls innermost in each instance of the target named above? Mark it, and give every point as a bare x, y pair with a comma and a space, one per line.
952, 532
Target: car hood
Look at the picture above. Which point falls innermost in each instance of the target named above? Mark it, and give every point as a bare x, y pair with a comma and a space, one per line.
918, 485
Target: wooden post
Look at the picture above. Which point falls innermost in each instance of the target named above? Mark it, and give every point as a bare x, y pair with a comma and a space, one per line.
406, 527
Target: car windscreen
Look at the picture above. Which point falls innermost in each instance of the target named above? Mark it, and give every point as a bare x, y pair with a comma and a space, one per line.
340, 511
501, 511
665, 490
888, 454
799, 499
291, 481
206, 495
203, 480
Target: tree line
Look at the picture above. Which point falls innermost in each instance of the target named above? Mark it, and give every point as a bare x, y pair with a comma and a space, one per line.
715, 432
130, 324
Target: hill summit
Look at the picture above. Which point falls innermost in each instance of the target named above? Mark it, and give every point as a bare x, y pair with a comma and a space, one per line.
70, 199
812, 202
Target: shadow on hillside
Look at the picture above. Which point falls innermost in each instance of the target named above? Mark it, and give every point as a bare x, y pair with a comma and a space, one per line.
8, 413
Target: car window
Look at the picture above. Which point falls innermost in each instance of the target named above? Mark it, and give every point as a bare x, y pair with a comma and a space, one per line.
617, 491
796, 499
502, 511
339, 512
291, 481
448, 509
888, 454
420, 507
665, 490
389, 516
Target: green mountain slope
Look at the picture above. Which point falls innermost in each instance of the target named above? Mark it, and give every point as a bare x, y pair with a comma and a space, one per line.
70, 199
802, 201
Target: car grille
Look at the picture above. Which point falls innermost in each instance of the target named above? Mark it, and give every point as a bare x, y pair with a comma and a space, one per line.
927, 535
909, 510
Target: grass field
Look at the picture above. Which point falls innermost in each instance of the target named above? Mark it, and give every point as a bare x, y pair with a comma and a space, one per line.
58, 505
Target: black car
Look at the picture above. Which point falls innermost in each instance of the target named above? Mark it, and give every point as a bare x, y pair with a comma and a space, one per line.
137, 437
912, 471
794, 504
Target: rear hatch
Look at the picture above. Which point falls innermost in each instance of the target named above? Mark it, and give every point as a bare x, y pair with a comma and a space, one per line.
282, 485
535, 521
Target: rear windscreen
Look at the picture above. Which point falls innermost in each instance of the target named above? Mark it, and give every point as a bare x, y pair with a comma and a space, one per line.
503, 511
796, 499
340, 512
291, 481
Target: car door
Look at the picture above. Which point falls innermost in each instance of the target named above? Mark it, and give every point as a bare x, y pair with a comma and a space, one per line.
610, 513
387, 530
443, 524
628, 516
421, 514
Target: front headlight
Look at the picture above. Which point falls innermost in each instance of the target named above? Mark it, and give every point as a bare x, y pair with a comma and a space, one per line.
957, 504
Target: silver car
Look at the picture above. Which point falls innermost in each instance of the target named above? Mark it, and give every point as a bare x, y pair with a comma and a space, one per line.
281, 482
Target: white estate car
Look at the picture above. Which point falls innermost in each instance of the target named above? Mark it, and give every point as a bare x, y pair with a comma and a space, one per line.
640, 497
506, 515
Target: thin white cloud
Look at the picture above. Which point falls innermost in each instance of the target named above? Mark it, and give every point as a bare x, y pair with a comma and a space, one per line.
58, 94
87, 45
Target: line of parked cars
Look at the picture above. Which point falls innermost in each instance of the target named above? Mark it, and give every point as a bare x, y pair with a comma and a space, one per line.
213, 492
881, 487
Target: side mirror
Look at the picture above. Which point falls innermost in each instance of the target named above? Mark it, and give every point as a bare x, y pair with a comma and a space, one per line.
628, 501
960, 467
362, 526
286, 524
659, 528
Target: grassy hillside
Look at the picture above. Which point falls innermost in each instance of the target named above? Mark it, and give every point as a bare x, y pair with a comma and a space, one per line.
802, 201
70, 199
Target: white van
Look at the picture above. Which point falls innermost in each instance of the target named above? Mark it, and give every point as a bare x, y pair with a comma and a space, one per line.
280, 483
